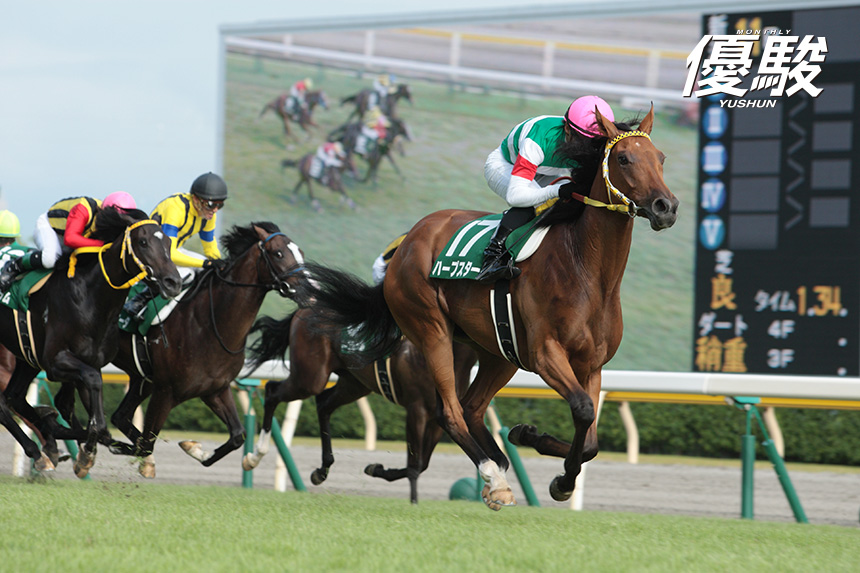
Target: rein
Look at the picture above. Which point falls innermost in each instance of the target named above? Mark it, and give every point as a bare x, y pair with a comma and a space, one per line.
279, 284
126, 249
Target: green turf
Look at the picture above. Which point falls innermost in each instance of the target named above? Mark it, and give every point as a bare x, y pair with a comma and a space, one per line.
454, 129
79, 526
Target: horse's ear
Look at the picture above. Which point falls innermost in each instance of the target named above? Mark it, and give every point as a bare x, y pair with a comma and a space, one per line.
261, 233
648, 123
605, 125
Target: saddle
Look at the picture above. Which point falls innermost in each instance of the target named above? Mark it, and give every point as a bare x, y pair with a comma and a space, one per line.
463, 255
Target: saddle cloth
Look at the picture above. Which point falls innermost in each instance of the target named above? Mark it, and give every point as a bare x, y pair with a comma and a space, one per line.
18, 295
462, 256
157, 311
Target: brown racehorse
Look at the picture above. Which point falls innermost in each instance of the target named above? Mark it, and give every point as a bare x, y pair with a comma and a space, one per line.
331, 177
78, 335
566, 306
200, 347
302, 117
313, 358
349, 135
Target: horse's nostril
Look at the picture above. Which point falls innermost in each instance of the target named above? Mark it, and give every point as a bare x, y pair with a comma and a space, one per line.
661, 206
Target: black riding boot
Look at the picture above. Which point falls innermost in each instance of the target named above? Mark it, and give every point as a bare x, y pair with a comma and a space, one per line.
137, 304
9, 272
497, 260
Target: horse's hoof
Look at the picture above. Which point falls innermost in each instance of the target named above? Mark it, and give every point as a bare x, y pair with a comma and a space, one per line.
556, 492
318, 476
53, 454
522, 434
499, 498
43, 464
372, 469
250, 461
193, 449
147, 469
84, 463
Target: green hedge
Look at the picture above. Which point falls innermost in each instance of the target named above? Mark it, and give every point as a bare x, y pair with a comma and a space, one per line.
811, 436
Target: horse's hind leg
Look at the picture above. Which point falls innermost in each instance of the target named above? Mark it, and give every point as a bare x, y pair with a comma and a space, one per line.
224, 407
15, 398
347, 390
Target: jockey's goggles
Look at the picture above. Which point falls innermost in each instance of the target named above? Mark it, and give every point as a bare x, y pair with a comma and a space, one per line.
213, 205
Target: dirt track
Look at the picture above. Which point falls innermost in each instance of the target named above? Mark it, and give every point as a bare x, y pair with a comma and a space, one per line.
827, 497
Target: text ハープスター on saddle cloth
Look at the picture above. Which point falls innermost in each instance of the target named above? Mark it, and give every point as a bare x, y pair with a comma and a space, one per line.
462, 256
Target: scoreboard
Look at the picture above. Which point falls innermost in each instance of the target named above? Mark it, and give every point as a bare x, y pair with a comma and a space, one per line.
777, 274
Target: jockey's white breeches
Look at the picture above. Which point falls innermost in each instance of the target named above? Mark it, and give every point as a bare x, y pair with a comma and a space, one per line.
48, 241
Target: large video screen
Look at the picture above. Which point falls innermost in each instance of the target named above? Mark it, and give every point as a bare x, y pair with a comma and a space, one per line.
453, 124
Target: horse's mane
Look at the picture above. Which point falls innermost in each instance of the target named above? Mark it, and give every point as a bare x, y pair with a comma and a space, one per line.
588, 152
111, 223
240, 239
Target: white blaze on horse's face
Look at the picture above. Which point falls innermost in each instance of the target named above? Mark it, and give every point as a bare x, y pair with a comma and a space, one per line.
158, 235
297, 254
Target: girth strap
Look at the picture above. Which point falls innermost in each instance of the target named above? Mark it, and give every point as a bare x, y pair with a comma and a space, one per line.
382, 369
503, 319
140, 353
25, 337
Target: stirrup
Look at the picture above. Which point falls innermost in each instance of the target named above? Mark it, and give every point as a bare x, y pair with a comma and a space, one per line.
497, 270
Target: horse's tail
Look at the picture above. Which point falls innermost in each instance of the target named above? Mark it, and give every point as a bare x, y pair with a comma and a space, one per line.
265, 109
343, 302
348, 99
289, 163
273, 342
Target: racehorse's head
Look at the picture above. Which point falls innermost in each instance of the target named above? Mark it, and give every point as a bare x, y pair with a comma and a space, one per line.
399, 127
145, 249
281, 263
319, 98
404, 92
635, 166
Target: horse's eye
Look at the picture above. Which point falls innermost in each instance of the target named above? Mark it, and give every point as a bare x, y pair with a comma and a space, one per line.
143, 242
279, 254
622, 159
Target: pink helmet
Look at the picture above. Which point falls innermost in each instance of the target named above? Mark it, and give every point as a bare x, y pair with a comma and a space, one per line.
120, 200
580, 114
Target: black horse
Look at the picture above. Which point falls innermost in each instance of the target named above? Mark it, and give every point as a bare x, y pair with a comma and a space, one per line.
199, 349
311, 168
350, 135
367, 99
315, 355
79, 332
288, 109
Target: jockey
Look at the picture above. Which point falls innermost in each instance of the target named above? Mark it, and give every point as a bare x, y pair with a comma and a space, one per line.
67, 224
182, 216
376, 125
299, 90
521, 169
383, 86
10, 231
331, 154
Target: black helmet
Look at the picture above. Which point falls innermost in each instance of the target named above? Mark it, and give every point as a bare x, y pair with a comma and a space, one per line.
209, 186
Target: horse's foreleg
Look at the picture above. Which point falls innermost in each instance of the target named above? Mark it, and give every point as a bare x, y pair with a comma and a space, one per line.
31, 449
557, 373
224, 407
347, 390
123, 417
160, 405
394, 164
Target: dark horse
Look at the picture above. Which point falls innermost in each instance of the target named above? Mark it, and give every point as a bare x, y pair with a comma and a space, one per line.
566, 307
315, 355
366, 99
78, 335
350, 135
200, 348
288, 110
331, 177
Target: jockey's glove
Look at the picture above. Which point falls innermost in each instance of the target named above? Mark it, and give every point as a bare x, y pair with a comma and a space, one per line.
217, 264
566, 191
